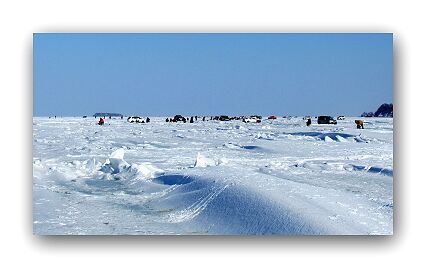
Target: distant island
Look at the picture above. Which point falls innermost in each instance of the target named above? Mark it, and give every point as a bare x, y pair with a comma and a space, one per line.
385, 110
107, 115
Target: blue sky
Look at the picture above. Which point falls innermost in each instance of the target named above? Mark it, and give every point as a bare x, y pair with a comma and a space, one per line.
211, 74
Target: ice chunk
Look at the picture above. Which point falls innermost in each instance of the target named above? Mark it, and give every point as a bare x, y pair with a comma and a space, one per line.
341, 139
328, 139
117, 154
115, 162
92, 165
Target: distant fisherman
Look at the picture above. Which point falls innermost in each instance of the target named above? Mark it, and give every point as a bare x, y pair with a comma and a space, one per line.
147, 119
101, 121
308, 122
359, 124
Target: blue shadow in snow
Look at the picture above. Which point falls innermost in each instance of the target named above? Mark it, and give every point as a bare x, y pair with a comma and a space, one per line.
173, 179
251, 147
377, 170
321, 135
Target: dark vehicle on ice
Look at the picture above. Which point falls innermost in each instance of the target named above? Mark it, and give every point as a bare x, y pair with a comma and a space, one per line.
178, 118
326, 120
224, 118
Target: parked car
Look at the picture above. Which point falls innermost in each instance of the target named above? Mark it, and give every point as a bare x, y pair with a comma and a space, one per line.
252, 119
224, 118
272, 117
178, 118
326, 120
341, 117
135, 119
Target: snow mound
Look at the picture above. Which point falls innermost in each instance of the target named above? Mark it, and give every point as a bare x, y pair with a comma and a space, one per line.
147, 170
226, 208
203, 161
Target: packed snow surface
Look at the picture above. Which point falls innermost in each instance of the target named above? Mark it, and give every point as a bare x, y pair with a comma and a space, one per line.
274, 177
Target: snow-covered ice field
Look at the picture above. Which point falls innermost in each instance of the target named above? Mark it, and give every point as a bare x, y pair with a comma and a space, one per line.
276, 177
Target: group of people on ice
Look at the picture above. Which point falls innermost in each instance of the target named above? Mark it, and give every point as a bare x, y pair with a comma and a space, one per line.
131, 119
180, 118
